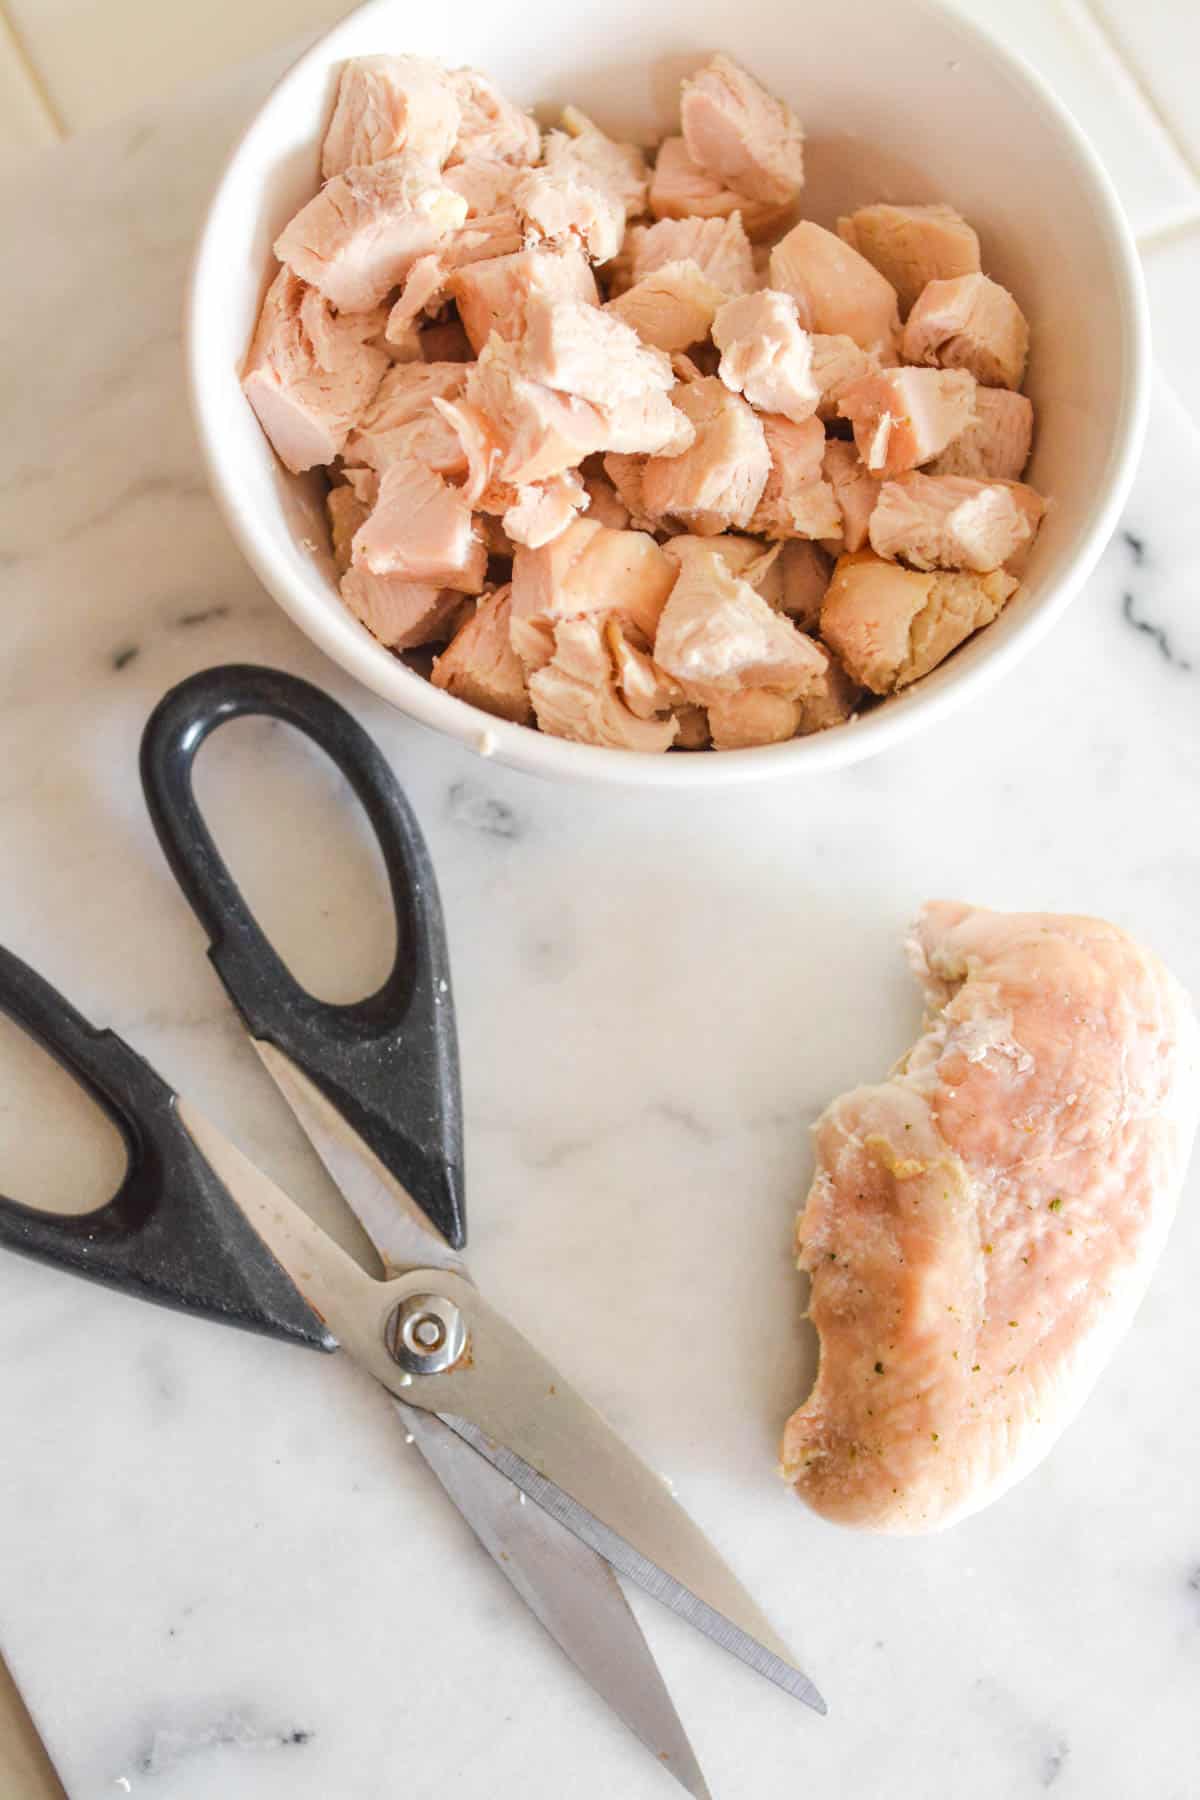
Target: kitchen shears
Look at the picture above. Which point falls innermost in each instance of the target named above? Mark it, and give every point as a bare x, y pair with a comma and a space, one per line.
375, 1086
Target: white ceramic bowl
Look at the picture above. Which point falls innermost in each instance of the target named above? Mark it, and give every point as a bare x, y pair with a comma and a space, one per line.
901, 100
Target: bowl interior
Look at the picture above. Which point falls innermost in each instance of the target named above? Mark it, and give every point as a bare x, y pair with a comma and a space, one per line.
902, 102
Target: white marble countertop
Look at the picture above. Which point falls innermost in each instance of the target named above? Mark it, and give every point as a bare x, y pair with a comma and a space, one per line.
224, 1576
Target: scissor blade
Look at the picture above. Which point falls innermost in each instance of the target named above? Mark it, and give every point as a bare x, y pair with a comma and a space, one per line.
571, 1592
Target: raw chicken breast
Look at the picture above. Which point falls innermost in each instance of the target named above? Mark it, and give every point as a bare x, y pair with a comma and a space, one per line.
735, 129
402, 614
358, 238
671, 308
719, 481
912, 245
972, 323
889, 626
492, 127
719, 248
797, 501
949, 522
575, 695
560, 206
902, 417
836, 289
718, 636
582, 149
855, 489
386, 104
766, 354
480, 665
310, 372
982, 1226
420, 528
493, 295
591, 569
836, 361
402, 422
681, 189
995, 445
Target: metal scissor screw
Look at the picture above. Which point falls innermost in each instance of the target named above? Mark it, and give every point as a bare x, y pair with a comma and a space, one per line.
426, 1334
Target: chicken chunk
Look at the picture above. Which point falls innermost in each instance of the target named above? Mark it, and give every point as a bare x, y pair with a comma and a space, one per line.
402, 422
735, 129
717, 636
837, 290
891, 625
797, 500
681, 189
836, 361
949, 522
492, 128
903, 417
747, 720
348, 507
719, 248
912, 245
493, 295
671, 308
719, 480
605, 505
420, 528
982, 1225
424, 286
558, 206
582, 350
591, 570
480, 666
855, 489
969, 323
805, 571
995, 445
310, 372
645, 689
543, 511
386, 104
766, 354
575, 695
583, 150
402, 614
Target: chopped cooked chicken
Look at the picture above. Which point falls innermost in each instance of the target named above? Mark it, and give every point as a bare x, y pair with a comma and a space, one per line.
543, 511
575, 695
995, 445
754, 717
625, 473
446, 343
718, 636
719, 480
891, 625
486, 186
902, 417
805, 571
402, 422
493, 295
983, 1225
583, 150
797, 501
646, 691
492, 127
422, 291
348, 506
970, 323
592, 570
386, 104
735, 129
605, 505
560, 206
836, 361
681, 189
855, 489
402, 614
420, 528
837, 290
479, 664
766, 354
912, 245
743, 556
310, 372
581, 349
358, 238
950, 522
719, 248
672, 307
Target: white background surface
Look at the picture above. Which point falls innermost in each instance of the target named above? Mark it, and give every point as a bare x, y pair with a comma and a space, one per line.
654, 999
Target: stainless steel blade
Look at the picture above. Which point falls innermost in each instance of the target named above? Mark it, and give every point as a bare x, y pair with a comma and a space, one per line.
572, 1592
392, 1220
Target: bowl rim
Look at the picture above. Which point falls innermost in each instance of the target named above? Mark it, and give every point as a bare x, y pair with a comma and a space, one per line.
523, 747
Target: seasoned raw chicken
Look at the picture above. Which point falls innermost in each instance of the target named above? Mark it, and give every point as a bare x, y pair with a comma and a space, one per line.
480, 666
889, 626
912, 245
593, 570
736, 130
717, 636
402, 614
982, 1226
902, 417
837, 290
492, 295
995, 445
402, 422
719, 481
681, 189
492, 127
836, 361
310, 372
766, 354
358, 238
575, 695
950, 522
718, 247
672, 307
420, 528
386, 104
797, 500
855, 489
971, 323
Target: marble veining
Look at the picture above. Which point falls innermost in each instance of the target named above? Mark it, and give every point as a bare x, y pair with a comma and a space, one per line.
224, 1574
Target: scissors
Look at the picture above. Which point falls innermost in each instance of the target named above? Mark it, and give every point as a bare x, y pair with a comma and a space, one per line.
375, 1086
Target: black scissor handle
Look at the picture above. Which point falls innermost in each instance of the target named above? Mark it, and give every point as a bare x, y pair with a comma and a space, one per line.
171, 1233
388, 1063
